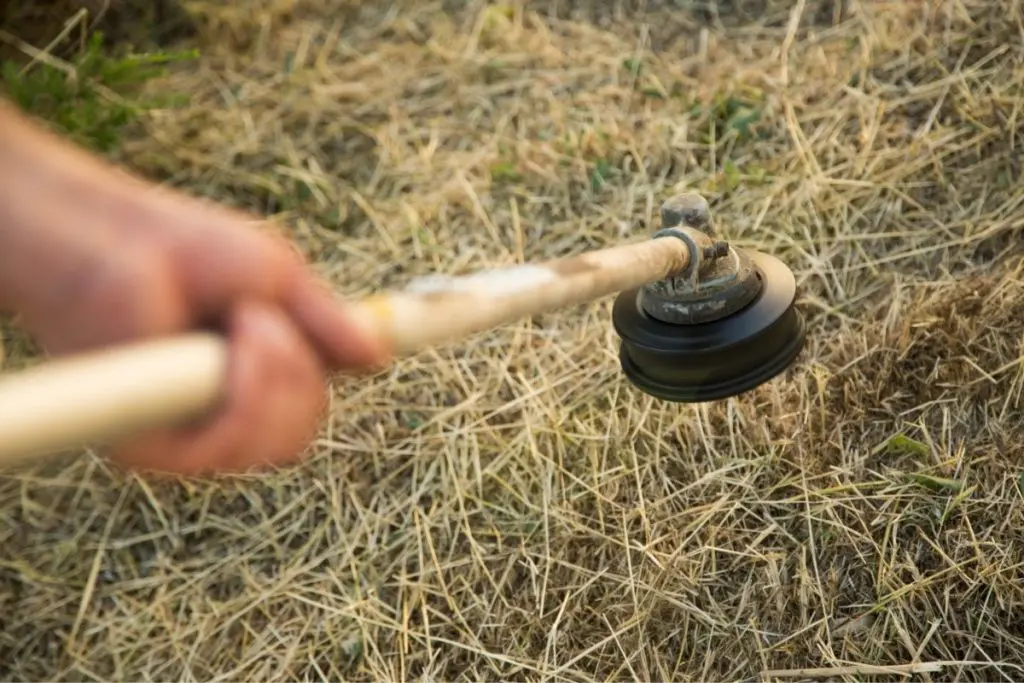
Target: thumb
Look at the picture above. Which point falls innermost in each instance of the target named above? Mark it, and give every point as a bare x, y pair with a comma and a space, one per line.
274, 403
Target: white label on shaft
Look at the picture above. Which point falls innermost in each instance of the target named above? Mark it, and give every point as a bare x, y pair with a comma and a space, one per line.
496, 282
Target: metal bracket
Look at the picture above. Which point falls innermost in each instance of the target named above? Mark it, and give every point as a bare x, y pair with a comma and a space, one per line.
718, 279
695, 242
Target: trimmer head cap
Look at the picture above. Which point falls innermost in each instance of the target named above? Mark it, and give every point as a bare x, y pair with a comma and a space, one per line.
692, 363
725, 326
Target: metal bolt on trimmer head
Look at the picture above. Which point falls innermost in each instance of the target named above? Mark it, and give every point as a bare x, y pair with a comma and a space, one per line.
724, 326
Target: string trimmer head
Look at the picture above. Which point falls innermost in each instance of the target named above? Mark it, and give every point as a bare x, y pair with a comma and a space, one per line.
725, 325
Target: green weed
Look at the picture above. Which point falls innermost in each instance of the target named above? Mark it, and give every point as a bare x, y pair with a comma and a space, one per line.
92, 99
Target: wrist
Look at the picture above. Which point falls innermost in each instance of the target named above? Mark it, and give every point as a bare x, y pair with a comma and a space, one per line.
44, 183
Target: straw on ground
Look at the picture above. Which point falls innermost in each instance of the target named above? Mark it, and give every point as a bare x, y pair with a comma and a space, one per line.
510, 507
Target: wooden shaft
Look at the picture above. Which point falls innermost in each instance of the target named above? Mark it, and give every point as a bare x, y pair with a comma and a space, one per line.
103, 395
436, 310
99, 397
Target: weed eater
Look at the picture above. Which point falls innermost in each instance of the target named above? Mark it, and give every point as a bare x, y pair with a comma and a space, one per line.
698, 320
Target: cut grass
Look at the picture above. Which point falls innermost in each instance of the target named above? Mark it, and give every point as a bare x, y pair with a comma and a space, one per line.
509, 507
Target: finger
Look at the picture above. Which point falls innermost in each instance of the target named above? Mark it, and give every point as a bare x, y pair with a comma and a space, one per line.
290, 390
222, 254
341, 340
237, 259
274, 401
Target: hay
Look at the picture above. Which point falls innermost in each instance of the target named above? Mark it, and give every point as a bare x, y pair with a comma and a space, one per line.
509, 507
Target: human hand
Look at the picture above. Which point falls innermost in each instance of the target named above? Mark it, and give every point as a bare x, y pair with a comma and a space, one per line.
91, 256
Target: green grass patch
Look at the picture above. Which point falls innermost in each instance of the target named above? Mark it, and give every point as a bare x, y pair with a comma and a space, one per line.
92, 99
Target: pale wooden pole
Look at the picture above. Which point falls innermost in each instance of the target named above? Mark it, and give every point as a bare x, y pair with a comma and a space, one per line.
99, 397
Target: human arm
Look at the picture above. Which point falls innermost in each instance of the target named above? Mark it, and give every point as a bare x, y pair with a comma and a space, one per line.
92, 256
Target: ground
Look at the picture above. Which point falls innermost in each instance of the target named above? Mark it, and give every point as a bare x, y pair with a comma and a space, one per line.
508, 506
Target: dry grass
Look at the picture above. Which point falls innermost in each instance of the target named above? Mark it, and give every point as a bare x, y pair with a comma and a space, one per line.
509, 507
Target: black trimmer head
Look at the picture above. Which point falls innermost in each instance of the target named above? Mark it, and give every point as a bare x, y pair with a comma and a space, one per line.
725, 326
